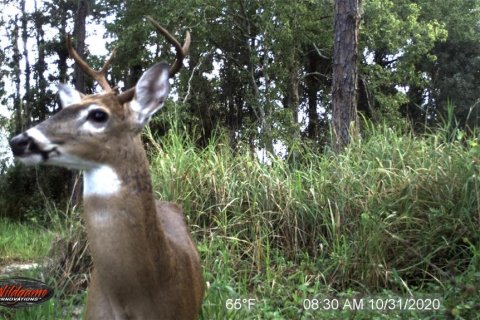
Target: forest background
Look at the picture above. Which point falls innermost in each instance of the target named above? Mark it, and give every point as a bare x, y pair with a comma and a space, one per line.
250, 122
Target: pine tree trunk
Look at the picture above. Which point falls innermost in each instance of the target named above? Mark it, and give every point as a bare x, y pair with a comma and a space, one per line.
312, 86
27, 112
17, 99
40, 67
344, 87
292, 102
62, 51
79, 33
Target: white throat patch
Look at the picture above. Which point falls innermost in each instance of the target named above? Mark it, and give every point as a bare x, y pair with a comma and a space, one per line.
100, 181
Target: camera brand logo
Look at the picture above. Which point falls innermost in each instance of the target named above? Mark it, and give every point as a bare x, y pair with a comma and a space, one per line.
23, 292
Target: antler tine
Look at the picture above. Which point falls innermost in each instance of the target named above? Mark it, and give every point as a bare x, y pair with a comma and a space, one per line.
99, 76
182, 51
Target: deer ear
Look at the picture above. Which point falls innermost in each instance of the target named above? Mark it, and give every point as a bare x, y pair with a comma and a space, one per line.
151, 92
68, 95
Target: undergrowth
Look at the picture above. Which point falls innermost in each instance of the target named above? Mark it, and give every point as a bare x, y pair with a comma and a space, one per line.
22, 242
394, 216
393, 212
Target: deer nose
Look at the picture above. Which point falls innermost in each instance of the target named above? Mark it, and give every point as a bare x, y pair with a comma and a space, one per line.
20, 144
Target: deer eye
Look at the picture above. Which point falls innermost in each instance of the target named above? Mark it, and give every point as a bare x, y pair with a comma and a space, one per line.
98, 116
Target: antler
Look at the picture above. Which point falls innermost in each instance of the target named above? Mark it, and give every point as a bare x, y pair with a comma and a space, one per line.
182, 51
100, 75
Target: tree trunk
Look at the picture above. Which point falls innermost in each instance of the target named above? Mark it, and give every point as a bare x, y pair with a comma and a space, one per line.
17, 99
79, 33
344, 87
40, 67
134, 74
292, 102
62, 51
27, 100
75, 184
312, 86
291, 95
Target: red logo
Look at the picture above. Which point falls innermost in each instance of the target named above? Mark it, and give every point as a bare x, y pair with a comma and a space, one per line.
23, 292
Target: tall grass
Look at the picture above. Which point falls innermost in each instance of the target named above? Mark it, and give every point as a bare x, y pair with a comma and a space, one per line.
388, 202
393, 215
394, 211
20, 241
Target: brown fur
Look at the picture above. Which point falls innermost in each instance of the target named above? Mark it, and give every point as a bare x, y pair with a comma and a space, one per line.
145, 263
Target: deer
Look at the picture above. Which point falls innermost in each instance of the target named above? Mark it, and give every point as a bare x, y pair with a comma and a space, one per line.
145, 263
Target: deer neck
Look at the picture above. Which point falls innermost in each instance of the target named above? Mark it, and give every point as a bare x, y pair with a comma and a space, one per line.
120, 214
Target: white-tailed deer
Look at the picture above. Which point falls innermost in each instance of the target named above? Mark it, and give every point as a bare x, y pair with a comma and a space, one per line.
145, 263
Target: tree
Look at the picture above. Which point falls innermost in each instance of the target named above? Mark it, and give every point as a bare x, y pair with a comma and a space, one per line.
344, 86
454, 75
259, 70
27, 112
79, 32
396, 43
42, 98
16, 75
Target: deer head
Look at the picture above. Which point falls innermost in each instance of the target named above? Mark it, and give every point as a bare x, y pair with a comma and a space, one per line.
88, 121
145, 263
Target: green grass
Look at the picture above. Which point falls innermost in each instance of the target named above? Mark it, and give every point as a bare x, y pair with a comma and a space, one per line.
393, 216
23, 242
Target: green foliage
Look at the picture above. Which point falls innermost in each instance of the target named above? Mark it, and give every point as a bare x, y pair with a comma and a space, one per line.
394, 216
17, 187
20, 241
455, 74
396, 38
256, 67
394, 211
24, 191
